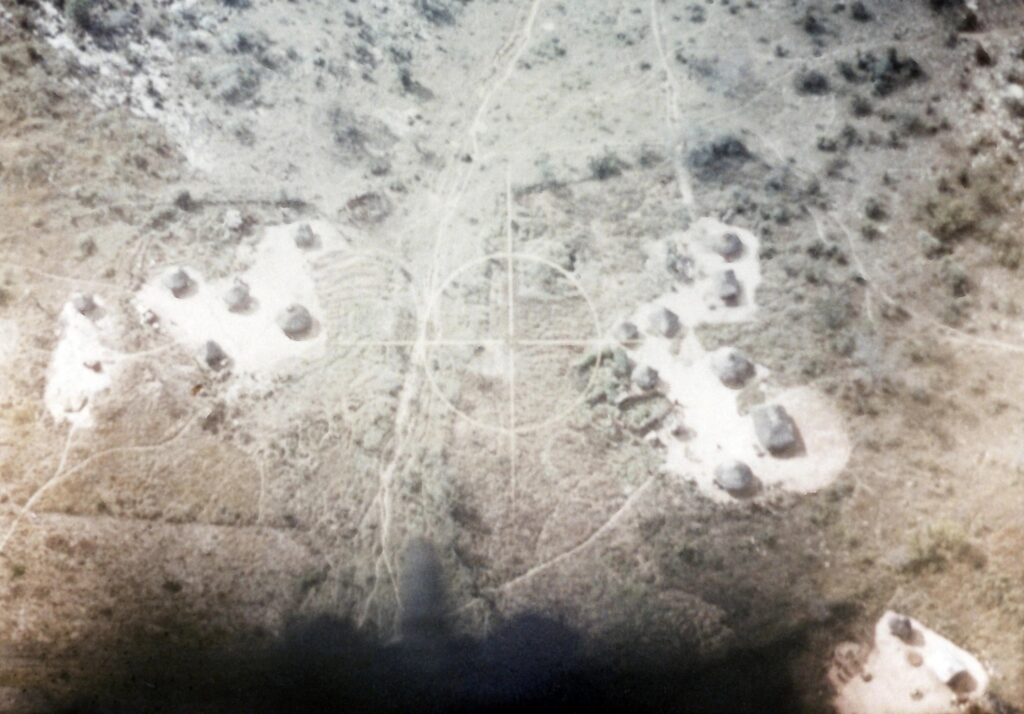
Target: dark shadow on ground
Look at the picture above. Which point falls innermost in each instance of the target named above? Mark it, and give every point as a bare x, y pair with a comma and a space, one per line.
531, 663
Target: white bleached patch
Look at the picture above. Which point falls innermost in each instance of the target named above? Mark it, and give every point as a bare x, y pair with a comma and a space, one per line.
279, 274
715, 429
927, 674
80, 367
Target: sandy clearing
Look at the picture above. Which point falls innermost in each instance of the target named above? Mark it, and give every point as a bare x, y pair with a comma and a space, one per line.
81, 366
715, 429
926, 675
279, 274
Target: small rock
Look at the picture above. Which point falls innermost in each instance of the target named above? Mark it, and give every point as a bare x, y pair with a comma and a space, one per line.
958, 678
645, 377
736, 478
83, 303
295, 321
732, 367
728, 288
901, 628
305, 238
664, 322
774, 428
728, 245
178, 282
627, 332
214, 356
914, 659
94, 365
237, 298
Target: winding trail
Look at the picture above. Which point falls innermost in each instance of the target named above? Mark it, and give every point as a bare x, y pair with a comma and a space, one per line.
410, 394
61, 473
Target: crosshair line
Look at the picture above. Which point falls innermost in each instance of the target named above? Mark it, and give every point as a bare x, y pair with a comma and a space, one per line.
490, 342
429, 334
509, 246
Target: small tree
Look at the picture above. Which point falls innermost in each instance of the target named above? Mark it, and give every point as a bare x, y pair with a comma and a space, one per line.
80, 12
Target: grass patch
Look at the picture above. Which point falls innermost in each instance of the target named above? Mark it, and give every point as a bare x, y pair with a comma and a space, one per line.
939, 545
976, 205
